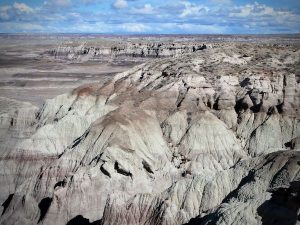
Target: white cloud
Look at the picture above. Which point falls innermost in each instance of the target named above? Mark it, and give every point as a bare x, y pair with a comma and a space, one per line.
135, 27
192, 9
222, 1
61, 3
182, 17
4, 12
20, 27
255, 10
147, 9
201, 29
92, 28
90, 2
5, 8
8, 12
120, 4
87, 1
22, 7
243, 11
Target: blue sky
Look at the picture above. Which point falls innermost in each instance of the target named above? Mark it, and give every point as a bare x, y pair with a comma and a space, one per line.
150, 16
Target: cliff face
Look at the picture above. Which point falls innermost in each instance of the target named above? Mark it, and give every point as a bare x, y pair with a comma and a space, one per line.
206, 138
125, 50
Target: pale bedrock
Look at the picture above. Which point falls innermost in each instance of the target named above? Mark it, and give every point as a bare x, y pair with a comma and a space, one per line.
239, 195
207, 135
268, 195
129, 50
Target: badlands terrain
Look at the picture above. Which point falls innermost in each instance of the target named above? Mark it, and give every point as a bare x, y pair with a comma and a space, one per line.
150, 130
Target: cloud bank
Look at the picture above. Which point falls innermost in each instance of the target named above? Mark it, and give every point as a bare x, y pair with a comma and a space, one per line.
150, 17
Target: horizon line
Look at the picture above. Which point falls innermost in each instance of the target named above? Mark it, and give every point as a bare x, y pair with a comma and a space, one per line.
143, 34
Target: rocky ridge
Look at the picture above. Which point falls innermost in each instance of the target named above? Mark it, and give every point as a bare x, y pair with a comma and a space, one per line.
85, 51
210, 137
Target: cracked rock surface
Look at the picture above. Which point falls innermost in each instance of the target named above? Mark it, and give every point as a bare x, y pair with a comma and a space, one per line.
210, 137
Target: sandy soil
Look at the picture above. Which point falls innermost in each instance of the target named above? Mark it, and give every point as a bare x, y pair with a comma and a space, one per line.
25, 74
28, 74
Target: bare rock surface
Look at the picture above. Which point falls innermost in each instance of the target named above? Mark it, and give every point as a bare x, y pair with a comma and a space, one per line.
135, 50
210, 137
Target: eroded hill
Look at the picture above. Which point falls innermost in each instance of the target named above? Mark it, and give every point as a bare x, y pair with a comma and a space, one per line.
211, 137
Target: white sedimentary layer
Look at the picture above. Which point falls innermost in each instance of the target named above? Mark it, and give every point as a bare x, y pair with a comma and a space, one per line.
201, 139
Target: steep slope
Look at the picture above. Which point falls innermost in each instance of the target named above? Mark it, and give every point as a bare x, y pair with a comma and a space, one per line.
201, 139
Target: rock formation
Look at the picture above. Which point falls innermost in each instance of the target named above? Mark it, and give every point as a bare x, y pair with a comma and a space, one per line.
211, 137
123, 50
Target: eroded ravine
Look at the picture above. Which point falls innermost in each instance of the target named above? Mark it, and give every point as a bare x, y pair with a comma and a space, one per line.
201, 139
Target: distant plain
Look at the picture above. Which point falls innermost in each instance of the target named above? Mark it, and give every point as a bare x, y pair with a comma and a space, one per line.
28, 73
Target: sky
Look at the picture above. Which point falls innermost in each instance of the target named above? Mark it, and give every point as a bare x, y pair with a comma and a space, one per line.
150, 16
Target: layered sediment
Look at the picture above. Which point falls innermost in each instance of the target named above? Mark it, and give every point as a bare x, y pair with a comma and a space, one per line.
210, 137
129, 50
